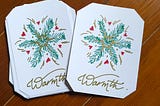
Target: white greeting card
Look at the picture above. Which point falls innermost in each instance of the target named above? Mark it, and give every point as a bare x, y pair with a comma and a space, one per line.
39, 39
105, 52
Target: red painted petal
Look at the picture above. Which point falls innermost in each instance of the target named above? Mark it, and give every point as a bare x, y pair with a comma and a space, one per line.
122, 53
60, 46
90, 47
91, 28
109, 23
28, 51
48, 60
106, 62
38, 22
23, 34
125, 34
56, 27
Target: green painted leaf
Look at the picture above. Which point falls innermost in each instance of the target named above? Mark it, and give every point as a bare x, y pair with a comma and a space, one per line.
117, 31
42, 41
47, 28
51, 51
120, 28
102, 28
37, 56
109, 42
28, 43
112, 54
123, 44
32, 29
93, 39
98, 53
58, 36
49, 24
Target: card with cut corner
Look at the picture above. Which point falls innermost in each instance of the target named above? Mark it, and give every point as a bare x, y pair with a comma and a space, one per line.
105, 52
39, 39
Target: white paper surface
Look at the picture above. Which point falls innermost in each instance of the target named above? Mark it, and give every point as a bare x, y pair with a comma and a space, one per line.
105, 51
47, 76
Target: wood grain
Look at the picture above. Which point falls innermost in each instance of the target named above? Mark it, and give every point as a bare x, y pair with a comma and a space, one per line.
148, 88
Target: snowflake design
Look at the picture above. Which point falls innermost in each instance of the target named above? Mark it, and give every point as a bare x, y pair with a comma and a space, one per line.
43, 41
107, 43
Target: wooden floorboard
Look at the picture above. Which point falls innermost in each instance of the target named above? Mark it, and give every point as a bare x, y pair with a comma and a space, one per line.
148, 89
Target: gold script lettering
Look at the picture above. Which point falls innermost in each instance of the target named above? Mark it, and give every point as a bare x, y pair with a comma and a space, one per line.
91, 80
38, 82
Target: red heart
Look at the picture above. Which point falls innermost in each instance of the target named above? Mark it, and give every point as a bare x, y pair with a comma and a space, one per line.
90, 47
122, 53
28, 51
91, 28
56, 27
125, 34
23, 34
106, 62
60, 46
38, 22
48, 60
109, 23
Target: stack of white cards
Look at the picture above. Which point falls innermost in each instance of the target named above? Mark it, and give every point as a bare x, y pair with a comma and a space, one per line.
103, 58
39, 40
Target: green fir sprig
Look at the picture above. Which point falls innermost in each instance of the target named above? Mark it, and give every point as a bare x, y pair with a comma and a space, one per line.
43, 41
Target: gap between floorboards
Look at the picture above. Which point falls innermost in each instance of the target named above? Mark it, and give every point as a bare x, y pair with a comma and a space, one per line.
1, 33
9, 100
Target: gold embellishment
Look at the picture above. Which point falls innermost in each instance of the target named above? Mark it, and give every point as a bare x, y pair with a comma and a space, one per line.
28, 59
64, 42
85, 43
17, 42
32, 20
22, 50
99, 64
128, 51
44, 19
104, 18
88, 54
56, 22
94, 23
39, 82
25, 28
129, 38
61, 29
83, 33
60, 52
21, 38
112, 66
115, 22
54, 61
120, 59
42, 65
126, 29
89, 32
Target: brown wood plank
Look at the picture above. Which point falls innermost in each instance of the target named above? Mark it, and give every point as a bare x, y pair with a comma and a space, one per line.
55, 100
5, 88
148, 81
